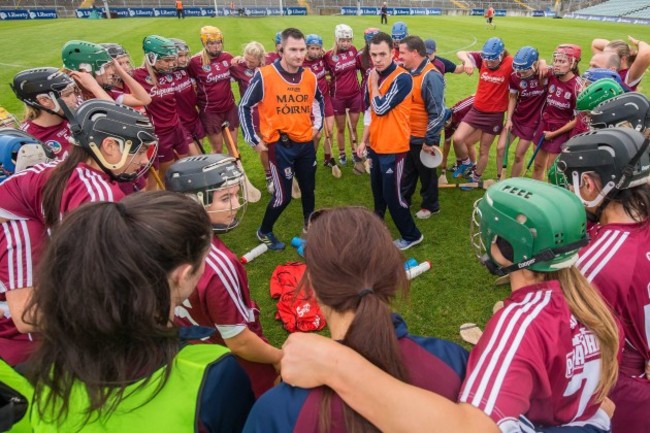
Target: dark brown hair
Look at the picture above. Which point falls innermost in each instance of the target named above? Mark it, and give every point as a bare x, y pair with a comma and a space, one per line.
635, 200
103, 300
414, 43
352, 265
56, 184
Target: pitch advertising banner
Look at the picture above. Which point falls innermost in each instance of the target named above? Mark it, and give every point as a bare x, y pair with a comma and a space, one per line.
28, 14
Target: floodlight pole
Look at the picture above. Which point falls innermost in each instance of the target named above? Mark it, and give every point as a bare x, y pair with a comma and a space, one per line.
281, 11
216, 9
108, 11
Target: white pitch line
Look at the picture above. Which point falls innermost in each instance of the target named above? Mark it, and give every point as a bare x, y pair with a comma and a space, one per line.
461, 48
12, 65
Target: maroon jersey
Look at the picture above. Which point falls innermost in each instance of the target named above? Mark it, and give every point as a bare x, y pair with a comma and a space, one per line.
534, 359
458, 112
271, 57
342, 67
21, 243
632, 86
242, 75
222, 300
582, 123
365, 71
561, 101
531, 95
185, 97
214, 93
319, 69
21, 195
616, 261
56, 137
162, 109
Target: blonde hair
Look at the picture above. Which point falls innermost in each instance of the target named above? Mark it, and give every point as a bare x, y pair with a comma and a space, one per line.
205, 58
256, 50
589, 308
150, 70
31, 113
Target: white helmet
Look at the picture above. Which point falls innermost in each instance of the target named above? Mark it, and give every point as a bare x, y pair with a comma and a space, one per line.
343, 31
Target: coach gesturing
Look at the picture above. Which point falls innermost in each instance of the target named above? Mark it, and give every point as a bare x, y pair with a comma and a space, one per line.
287, 98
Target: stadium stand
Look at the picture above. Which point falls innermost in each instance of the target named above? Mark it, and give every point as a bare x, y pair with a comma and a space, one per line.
618, 8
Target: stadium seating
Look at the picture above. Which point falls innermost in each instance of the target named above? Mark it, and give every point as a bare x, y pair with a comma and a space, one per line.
616, 8
643, 13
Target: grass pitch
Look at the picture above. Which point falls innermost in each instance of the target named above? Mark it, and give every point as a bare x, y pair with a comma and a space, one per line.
457, 289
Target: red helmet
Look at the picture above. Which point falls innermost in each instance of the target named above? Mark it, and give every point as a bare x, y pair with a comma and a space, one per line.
570, 50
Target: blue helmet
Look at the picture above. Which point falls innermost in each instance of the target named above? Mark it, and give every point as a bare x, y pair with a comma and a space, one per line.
11, 141
492, 49
525, 58
313, 39
278, 38
400, 31
595, 74
369, 33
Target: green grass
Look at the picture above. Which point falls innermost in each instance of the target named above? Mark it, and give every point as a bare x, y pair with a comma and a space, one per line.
457, 289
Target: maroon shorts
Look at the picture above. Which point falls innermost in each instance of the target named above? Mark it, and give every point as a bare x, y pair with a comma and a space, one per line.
329, 108
490, 123
212, 121
353, 104
195, 129
632, 398
172, 143
524, 132
554, 145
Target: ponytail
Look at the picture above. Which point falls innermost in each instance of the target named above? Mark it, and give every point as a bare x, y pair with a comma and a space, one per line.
589, 308
350, 271
56, 183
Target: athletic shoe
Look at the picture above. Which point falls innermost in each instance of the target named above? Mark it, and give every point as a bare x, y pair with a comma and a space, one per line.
329, 163
270, 240
355, 158
454, 167
269, 185
343, 159
424, 214
469, 173
403, 244
461, 169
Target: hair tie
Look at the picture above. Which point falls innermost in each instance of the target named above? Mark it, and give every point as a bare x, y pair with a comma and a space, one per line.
364, 292
121, 208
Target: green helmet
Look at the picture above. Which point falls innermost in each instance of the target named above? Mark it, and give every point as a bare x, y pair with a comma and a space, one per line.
556, 176
535, 225
85, 56
159, 46
599, 91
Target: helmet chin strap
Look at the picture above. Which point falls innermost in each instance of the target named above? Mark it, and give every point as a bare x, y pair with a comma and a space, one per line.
602, 195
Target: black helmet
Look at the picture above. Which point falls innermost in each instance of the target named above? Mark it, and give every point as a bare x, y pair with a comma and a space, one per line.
180, 44
202, 175
115, 50
629, 107
618, 155
97, 119
30, 83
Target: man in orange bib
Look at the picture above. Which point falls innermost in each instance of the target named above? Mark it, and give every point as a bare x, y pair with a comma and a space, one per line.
427, 120
179, 9
389, 100
291, 111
